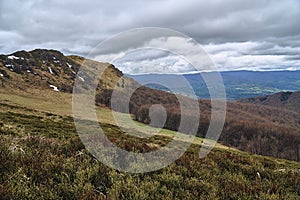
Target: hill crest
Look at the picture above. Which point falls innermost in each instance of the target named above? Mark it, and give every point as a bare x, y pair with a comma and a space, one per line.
50, 69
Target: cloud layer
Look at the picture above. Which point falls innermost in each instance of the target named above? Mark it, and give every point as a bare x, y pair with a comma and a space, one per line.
252, 35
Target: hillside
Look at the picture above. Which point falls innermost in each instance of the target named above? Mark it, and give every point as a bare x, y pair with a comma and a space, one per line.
42, 156
260, 129
39, 162
50, 69
286, 100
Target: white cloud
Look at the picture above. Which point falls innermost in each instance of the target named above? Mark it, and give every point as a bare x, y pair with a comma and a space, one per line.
252, 56
226, 56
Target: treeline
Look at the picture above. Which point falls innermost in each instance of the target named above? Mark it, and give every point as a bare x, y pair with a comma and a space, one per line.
253, 128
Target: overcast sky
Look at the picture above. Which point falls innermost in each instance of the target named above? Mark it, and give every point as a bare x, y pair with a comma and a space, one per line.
237, 34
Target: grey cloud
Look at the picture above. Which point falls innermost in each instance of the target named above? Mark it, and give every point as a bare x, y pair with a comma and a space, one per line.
76, 27
273, 49
145, 54
295, 58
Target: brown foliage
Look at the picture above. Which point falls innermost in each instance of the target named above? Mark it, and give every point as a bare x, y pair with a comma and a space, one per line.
250, 127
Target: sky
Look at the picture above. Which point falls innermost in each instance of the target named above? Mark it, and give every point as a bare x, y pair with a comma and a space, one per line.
237, 35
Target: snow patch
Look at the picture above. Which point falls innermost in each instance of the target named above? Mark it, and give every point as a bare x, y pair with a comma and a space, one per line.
54, 58
82, 79
56, 61
13, 57
281, 170
258, 174
54, 88
28, 71
1, 75
70, 66
7, 65
50, 70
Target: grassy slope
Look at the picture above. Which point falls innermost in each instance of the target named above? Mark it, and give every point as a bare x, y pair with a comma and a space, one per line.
42, 157
60, 104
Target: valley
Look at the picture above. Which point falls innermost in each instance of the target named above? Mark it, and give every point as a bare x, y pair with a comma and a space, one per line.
238, 84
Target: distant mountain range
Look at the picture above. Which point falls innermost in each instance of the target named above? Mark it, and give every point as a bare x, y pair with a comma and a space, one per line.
238, 84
